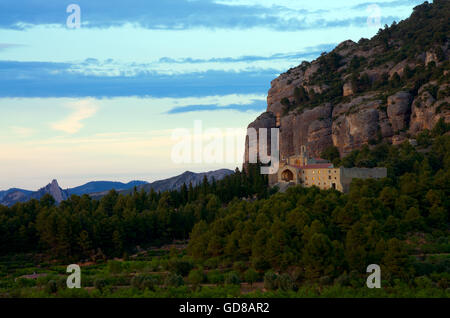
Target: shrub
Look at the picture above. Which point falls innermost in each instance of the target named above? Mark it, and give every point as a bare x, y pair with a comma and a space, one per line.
51, 287
25, 282
180, 266
270, 280
114, 267
232, 278
143, 282
284, 282
173, 280
331, 153
196, 277
251, 276
100, 284
215, 277
240, 266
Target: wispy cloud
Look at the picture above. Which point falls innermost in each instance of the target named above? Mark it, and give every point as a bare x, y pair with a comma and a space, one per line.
82, 109
174, 77
257, 105
308, 52
388, 4
4, 46
39, 79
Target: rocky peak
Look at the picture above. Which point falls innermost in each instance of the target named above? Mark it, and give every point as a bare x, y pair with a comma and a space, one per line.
54, 190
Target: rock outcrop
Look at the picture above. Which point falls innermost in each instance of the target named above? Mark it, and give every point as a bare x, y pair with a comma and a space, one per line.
362, 93
54, 190
399, 110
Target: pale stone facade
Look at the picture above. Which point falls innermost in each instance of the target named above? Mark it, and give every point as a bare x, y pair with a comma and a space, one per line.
318, 172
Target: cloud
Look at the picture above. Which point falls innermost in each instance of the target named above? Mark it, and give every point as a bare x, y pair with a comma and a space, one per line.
308, 52
165, 77
389, 4
257, 105
45, 79
81, 110
165, 15
4, 46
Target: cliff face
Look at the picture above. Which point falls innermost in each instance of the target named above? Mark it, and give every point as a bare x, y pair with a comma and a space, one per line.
388, 88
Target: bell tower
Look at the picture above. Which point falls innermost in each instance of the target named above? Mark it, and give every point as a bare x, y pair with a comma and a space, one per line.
303, 155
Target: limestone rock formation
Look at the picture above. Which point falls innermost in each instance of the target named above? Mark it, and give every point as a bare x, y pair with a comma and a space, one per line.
382, 89
399, 110
54, 190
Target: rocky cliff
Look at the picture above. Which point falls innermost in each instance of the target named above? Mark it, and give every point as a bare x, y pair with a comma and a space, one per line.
386, 89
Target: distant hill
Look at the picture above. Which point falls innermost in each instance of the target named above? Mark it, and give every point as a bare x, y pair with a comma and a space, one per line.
187, 177
101, 186
175, 183
14, 195
97, 189
13, 190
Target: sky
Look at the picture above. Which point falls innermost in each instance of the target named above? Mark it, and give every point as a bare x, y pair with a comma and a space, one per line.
103, 99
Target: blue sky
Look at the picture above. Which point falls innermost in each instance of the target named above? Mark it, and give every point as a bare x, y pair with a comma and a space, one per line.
101, 102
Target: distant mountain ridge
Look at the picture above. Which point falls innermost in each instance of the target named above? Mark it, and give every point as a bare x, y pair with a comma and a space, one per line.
187, 177
97, 189
6, 192
175, 183
15, 195
100, 186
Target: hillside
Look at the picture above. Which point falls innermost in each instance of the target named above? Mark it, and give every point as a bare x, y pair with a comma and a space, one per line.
14, 195
175, 183
386, 89
100, 186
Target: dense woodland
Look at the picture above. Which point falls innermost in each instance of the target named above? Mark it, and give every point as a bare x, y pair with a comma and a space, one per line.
81, 227
287, 240
314, 234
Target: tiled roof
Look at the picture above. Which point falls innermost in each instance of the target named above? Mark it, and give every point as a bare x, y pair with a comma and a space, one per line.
315, 166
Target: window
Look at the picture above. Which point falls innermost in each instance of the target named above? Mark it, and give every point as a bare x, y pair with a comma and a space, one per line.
329, 177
